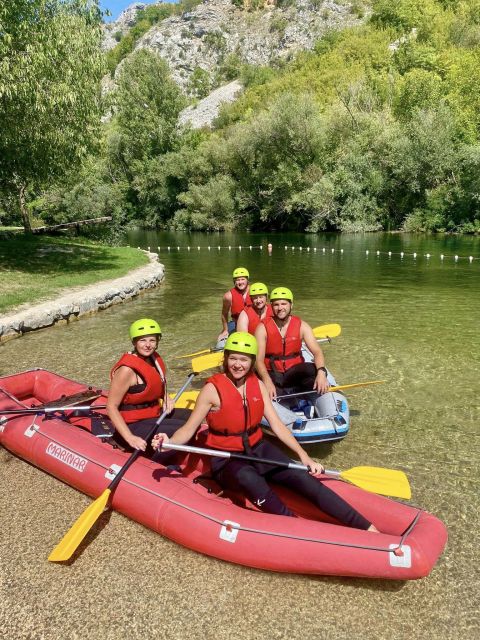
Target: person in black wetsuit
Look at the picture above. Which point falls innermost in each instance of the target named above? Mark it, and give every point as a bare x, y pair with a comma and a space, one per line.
233, 404
138, 389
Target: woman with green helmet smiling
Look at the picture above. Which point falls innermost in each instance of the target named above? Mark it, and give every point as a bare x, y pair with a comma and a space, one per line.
234, 301
233, 404
138, 389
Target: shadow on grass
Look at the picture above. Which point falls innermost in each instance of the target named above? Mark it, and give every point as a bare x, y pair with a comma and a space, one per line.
47, 256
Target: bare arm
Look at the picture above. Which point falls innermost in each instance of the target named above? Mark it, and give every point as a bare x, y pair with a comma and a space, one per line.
226, 306
284, 435
242, 322
321, 383
207, 398
123, 379
261, 336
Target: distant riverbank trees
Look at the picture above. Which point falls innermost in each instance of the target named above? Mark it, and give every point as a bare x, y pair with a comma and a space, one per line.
376, 128
50, 70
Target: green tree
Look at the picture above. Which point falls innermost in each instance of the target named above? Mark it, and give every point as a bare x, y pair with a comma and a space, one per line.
147, 103
50, 70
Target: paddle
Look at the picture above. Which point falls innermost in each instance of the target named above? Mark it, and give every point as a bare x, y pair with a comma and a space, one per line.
339, 387
323, 333
74, 536
46, 410
387, 482
185, 402
209, 361
327, 331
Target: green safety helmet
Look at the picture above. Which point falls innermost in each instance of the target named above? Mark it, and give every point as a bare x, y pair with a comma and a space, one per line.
144, 327
258, 289
281, 293
240, 272
242, 342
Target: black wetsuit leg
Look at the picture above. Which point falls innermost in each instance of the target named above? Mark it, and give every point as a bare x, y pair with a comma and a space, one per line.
243, 477
301, 377
254, 484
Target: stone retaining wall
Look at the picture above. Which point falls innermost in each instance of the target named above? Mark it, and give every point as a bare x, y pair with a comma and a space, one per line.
83, 301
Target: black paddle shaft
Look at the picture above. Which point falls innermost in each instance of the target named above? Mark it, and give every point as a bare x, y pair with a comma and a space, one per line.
150, 435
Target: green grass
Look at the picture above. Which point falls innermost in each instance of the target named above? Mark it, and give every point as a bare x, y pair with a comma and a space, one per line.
33, 269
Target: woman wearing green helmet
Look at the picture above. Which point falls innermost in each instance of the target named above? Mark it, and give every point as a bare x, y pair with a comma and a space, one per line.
250, 317
233, 404
138, 388
233, 303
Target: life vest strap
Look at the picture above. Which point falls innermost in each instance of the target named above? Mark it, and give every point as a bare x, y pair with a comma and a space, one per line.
288, 357
225, 432
132, 407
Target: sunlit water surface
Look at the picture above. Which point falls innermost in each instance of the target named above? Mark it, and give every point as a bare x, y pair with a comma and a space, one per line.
412, 322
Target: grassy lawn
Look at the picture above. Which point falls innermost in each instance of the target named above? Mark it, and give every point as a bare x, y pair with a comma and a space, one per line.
35, 268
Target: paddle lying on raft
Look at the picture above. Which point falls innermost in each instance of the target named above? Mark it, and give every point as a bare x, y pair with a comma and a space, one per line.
66, 547
322, 333
387, 482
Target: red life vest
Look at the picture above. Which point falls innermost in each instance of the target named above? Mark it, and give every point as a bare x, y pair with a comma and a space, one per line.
283, 353
235, 421
145, 404
240, 301
254, 319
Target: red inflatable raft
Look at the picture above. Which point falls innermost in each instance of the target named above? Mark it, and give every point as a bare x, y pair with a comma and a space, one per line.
188, 508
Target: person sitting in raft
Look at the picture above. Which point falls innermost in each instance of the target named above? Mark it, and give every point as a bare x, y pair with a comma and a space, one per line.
138, 389
234, 301
280, 363
233, 404
250, 317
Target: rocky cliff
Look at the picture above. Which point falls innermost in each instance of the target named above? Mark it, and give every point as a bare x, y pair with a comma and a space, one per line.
199, 41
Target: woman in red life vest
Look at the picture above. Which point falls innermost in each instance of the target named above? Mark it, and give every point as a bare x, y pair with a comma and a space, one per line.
235, 300
250, 317
233, 404
138, 389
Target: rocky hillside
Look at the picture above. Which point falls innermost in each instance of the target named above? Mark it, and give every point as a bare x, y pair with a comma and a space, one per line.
196, 43
113, 31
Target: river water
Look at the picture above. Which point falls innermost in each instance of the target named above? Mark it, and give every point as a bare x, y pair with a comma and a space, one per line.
409, 320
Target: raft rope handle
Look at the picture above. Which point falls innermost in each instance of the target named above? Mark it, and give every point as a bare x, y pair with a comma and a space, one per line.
393, 550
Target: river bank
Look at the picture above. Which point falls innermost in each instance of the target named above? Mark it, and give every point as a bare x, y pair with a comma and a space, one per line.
82, 301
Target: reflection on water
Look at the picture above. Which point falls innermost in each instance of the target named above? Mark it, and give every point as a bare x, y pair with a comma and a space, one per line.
410, 321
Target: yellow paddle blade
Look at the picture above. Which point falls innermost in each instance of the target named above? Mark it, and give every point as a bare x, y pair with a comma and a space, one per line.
70, 541
209, 361
187, 400
327, 331
341, 387
387, 482
196, 353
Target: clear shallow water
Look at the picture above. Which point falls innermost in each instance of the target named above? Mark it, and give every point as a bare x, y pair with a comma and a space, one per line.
413, 322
